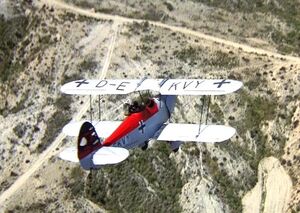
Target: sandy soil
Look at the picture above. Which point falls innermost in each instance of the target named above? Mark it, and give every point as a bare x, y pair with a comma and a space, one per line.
273, 190
97, 15
51, 150
269, 195
292, 153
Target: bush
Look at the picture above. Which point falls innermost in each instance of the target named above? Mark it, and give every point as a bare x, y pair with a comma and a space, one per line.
12, 31
148, 180
228, 189
187, 54
286, 11
56, 122
88, 65
224, 60
76, 183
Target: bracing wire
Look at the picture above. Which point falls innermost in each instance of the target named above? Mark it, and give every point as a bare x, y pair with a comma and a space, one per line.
202, 108
91, 113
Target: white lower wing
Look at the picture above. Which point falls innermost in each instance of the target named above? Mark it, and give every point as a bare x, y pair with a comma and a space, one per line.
69, 154
110, 155
190, 132
103, 128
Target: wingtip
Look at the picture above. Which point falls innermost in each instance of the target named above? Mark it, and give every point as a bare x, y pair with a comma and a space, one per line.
63, 89
241, 84
238, 86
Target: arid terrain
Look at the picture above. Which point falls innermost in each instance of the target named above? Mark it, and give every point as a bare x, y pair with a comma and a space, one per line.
46, 43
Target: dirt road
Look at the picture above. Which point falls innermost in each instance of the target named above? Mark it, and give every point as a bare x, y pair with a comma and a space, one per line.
117, 19
51, 150
243, 47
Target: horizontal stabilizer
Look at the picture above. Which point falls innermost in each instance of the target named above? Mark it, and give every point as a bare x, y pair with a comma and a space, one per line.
69, 154
103, 156
110, 155
103, 128
163, 86
190, 132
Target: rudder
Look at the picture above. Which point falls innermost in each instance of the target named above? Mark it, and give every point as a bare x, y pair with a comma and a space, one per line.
88, 142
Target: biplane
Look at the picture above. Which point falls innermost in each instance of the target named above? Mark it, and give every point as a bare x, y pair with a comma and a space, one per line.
102, 143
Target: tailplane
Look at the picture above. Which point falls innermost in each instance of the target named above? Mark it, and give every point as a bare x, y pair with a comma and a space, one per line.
87, 143
90, 152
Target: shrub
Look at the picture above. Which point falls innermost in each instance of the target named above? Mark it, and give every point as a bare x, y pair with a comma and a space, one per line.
228, 189
12, 31
56, 122
148, 180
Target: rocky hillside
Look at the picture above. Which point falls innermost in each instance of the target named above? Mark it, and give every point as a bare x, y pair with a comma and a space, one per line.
52, 42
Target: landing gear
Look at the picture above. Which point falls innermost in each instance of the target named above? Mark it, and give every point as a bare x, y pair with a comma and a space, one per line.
145, 146
88, 181
202, 111
175, 145
175, 150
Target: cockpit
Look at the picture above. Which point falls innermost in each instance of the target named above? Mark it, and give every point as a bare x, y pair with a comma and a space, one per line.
137, 106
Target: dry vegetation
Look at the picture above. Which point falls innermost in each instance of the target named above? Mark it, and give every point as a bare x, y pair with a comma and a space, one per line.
48, 47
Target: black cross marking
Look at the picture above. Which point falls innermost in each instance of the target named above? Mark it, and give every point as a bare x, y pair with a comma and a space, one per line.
81, 82
142, 126
222, 82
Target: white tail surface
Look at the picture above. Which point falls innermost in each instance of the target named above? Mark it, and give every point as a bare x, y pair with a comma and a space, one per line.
110, 155
190, 132
69, 154
103, 128
103, 156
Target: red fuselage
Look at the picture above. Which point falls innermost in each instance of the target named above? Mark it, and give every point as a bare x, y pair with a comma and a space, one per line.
131, 122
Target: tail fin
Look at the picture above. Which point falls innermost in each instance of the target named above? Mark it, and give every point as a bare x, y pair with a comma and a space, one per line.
88, 142
91, 153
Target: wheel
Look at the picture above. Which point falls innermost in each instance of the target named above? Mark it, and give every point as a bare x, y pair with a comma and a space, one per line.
175, 150
145, 146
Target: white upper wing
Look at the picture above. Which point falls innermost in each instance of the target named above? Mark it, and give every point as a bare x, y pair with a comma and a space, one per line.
164, 86
199, 86
190, 132
103, 128
100, 87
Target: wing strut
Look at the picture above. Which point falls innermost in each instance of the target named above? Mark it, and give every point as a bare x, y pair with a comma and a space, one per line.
99, 105
91, 109
201, 162
202, 108
139, 84
202, 111
208, 105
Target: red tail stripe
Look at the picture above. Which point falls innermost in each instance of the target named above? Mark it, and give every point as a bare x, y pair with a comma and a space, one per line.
86, 150
130, 123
